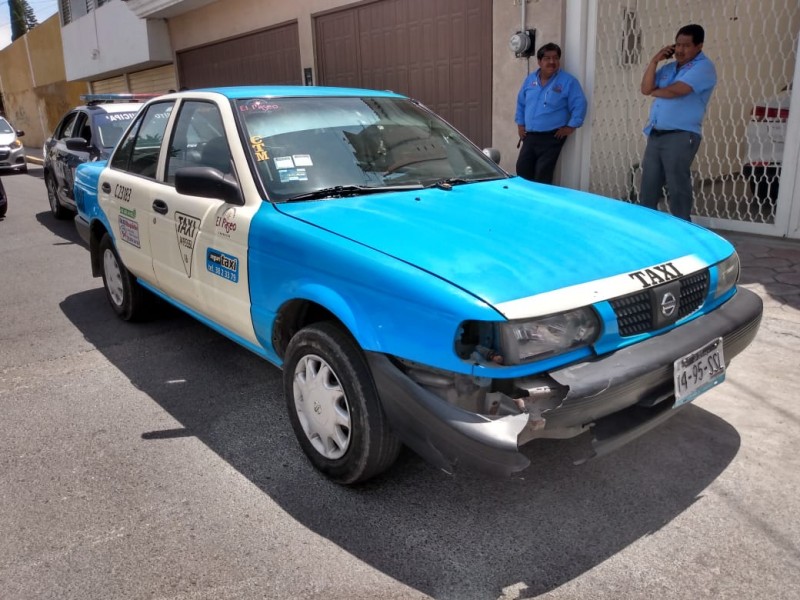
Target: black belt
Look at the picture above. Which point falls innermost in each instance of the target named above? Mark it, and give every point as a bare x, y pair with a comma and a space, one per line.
551, 132
658, 132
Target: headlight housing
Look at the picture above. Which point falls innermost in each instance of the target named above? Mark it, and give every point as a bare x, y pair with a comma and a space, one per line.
727, 274
16, 144
523, 341
534, 339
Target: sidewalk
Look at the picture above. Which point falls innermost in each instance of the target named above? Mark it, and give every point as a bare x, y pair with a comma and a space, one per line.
33, 155
771, 268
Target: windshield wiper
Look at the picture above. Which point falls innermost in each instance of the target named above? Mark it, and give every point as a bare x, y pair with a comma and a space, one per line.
341, 191
449, 182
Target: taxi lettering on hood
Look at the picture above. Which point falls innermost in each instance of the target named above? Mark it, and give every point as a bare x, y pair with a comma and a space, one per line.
656, 275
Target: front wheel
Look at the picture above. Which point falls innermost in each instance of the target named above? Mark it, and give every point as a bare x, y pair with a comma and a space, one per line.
123, 292
333, 406
56, 209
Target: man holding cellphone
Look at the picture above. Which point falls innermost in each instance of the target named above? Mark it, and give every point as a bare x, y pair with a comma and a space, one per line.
681, 91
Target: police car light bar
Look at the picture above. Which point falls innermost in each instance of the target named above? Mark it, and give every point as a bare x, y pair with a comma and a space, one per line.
100, 98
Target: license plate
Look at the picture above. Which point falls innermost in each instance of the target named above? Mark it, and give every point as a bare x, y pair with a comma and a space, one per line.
698, 372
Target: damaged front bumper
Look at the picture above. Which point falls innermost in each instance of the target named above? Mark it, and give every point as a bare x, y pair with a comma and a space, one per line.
618, 396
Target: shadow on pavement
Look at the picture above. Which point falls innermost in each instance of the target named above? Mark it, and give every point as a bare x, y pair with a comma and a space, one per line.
62, 228
448, 537
35, 170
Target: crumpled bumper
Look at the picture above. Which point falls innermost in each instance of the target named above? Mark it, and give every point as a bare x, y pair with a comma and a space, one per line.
620, 395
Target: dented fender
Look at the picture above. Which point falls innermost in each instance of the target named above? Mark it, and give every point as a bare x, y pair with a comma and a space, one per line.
445, 435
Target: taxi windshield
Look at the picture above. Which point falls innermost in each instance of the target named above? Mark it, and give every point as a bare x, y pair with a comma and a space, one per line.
305, 146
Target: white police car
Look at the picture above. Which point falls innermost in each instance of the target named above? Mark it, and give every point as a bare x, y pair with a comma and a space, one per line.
411, 290
86, 133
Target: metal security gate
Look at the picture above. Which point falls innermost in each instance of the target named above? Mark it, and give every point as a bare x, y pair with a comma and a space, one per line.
738, 174
437, 51
267, 57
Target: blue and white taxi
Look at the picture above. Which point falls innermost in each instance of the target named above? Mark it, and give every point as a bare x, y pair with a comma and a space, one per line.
411, 290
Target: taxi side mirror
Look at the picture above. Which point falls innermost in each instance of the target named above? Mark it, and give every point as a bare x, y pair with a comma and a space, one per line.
208, 182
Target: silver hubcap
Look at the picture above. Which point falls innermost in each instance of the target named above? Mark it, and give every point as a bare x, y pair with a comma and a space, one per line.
322, 407
113, 277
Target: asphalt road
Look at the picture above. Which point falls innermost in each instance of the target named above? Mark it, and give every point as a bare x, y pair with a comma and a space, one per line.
156, 461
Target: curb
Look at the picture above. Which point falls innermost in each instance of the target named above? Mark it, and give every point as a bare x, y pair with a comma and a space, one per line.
34, 160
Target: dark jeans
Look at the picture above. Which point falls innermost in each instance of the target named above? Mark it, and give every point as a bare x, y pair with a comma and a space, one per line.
667, 160
538, 156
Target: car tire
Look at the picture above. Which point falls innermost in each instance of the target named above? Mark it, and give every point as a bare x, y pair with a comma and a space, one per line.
24, 169
334, 407
125, 295
56, 209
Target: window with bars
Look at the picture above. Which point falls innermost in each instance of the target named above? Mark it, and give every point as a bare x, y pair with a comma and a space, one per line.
65, 9
74, 9
631, 43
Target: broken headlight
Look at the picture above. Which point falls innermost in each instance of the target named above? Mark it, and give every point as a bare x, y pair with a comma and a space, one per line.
524, 341
727, 274
517, 342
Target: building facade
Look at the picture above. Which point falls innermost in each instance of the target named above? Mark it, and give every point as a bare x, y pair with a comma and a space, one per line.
455, 57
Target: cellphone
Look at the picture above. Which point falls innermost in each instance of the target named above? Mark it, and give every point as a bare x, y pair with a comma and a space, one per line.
671, 51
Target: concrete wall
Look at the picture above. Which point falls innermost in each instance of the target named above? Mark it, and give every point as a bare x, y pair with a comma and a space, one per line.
111, 40
32, 80
508, 72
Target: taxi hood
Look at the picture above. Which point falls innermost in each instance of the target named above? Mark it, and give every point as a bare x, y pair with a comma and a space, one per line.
510, 239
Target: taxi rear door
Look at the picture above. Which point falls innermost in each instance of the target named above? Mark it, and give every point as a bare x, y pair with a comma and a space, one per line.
126, 188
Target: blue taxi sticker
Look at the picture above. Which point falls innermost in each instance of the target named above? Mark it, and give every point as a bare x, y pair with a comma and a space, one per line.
223, 265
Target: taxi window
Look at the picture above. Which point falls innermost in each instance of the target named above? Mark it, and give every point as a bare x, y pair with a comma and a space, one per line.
138, 151
198, 139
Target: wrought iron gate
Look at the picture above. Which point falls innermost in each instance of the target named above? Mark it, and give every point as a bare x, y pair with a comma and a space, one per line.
738, 169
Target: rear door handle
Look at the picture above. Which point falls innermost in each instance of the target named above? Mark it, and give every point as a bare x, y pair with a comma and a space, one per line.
160, 206
106, 187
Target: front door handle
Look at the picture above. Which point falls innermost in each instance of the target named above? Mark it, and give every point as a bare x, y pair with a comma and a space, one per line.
106, 187
160, 206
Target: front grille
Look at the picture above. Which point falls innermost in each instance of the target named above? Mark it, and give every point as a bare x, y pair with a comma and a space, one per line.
693, 291
635, 311
4, 154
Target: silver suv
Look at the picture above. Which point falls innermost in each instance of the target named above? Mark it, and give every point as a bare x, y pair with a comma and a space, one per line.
12, 152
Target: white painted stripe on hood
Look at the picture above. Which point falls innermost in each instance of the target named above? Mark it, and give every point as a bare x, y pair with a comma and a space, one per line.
585, 294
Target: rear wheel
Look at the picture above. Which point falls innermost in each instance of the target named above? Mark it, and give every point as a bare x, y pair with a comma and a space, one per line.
334, 407
58, 211
124, 294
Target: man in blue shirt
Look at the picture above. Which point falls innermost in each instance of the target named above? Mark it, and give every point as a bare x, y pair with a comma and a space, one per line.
681, 90
550, 107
